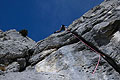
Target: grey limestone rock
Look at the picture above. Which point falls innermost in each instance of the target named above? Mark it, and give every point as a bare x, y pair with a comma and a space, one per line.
100, 26
14, 46
36, 58
14, 67
22, 62
1, 72
62, 56
33, 75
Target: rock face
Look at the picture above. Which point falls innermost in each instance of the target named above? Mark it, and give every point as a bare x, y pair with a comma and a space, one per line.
14, 48
62, 56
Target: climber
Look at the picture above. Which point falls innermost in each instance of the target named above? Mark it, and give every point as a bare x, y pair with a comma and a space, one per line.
61, 29
109, 59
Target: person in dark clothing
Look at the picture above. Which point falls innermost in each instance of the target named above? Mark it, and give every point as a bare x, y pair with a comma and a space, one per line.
61, 29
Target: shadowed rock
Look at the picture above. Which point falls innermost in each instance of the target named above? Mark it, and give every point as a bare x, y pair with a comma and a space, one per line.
63, 57
23, 32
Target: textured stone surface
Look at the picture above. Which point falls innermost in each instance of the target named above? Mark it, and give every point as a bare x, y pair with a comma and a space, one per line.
14, 67
62, 57
22, 62
33, 75
35, 58
76, 64
13, 47
100, 26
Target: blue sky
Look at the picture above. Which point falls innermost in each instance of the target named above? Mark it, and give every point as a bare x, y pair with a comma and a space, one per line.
41, 17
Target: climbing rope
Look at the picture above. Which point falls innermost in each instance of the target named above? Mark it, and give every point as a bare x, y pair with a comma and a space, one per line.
109, 59
90, 48
106, 57
96, 65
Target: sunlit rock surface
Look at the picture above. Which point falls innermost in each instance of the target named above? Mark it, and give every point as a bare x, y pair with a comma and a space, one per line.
63, 57
14, 50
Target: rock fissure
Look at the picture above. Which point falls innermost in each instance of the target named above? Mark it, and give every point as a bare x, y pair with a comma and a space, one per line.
63, 54
105, 56
42, 57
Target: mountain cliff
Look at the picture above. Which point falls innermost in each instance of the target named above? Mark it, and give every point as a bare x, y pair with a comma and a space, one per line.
61, 56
